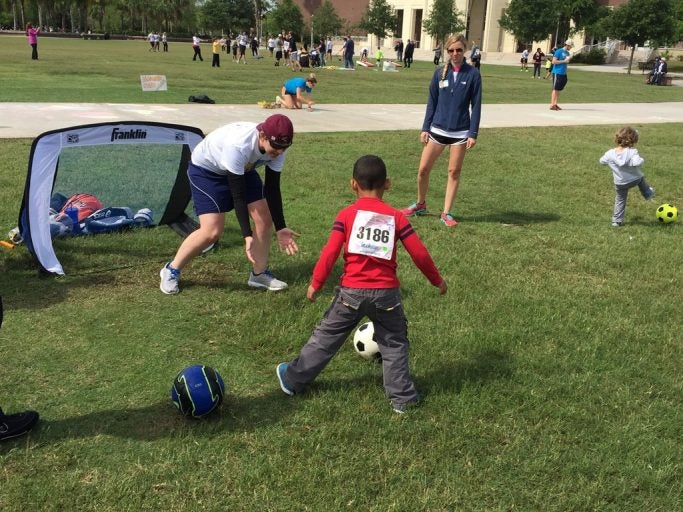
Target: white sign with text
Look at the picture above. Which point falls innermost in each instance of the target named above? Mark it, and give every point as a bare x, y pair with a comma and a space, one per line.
153, 82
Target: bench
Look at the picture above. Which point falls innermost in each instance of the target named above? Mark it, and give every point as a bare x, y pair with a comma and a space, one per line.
645, 65
94, 36
667, 80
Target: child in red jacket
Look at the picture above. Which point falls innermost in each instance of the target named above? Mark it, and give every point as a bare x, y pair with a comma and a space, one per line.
369, 231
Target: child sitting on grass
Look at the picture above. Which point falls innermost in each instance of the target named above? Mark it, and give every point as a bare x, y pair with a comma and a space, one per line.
369, 231
625, 163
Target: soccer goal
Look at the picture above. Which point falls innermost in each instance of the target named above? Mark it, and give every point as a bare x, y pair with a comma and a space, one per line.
127, 166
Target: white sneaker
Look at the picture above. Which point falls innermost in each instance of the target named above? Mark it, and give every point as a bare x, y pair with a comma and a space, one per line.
278, 100
266, 280
169, 280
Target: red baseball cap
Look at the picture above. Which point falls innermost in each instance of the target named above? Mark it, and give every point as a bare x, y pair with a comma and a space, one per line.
279, 131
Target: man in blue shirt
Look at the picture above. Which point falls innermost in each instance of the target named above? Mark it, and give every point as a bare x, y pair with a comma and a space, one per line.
560, 60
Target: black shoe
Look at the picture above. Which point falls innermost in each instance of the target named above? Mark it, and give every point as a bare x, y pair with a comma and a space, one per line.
15, 425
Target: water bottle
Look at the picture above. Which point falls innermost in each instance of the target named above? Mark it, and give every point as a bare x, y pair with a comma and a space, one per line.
73, 215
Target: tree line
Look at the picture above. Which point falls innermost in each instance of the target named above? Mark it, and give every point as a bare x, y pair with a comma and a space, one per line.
113, 16
635, 22
186, 17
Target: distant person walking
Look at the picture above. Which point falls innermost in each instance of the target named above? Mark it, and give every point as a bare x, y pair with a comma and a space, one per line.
32, 34
243, 41
254, 47
234, 47
524, 60
348, 50
538, 59
379, 57
561, 58
475, 56
408, 53
196, 46
322, 51
164, 41
216, 50
398, 47
437, 55
549, 64
278, 49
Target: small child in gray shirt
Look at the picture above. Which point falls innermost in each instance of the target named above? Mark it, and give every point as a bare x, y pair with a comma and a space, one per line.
625, 163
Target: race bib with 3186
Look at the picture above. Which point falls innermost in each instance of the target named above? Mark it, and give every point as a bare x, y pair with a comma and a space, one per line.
373, 235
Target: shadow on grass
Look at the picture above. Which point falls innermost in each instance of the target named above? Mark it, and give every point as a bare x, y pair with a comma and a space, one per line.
86, 265
292, 271
479, 368
513, 217
161, 420
36, 291
25, 287
648, 223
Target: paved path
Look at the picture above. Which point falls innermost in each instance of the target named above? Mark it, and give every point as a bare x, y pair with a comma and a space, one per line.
31, 119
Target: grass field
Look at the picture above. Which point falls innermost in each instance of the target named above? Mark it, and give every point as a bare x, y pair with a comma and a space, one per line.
550, 371
109, 71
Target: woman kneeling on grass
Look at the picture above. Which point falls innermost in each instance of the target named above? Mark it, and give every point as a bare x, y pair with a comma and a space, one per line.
293, 91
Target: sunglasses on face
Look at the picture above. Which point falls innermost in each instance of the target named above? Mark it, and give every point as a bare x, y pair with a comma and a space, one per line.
456, 50
275, 145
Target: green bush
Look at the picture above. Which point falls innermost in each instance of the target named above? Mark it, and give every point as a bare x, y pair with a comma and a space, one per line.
593, 57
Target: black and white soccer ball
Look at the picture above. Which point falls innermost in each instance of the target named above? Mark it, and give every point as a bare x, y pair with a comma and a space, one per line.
365, 344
